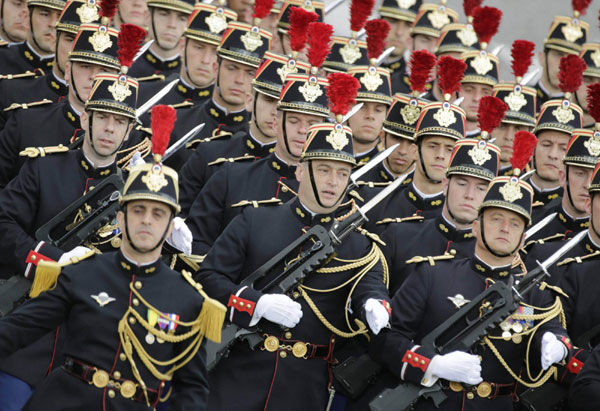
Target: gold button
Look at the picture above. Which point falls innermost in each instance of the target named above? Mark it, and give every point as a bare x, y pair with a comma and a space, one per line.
136, 301
241, 303
33, 257
470, 395
248, 306
138, 284
234, 301
422, 362
111, 393
132, 320
409, 356
282, 354
288, 335
92, 187
117, 375
574, 364
122, 356
295, 294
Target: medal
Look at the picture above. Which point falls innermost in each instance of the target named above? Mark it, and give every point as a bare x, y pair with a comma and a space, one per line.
152, 317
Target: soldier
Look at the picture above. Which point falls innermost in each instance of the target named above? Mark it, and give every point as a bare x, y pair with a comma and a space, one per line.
14, 24
271, 180
283, 23
38, 51
60, 120
44, 187
313, 315
473, 164
168, 20
127, 334
589, 53
521, 102
566, 36
53, 85
483, 377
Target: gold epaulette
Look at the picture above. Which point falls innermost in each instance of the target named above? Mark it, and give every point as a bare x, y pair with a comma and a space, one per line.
33, 152
160, 77
25, 106
373, 184
543, 240
537, 204
431, 259
257, 203
26, 74
286, 189
222, 160
192, 143
47, 272
578, 260
401, 219
146, 130
554, 288
212, 316
354, 193
372, 236
192, 260
183, 104
4, 43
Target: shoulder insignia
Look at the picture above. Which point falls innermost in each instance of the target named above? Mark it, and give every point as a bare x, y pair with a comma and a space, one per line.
183, 104
354, 193
372, 236
554, 288
537, 204
28, 73
373, 184
194, 143
4, 43
418, 218
47, 272
158, 77
25, 106
212, 316
33, 152
578, 260
144, 147
543, 240
257, 203
431, 259
144, 129
223, 160
286, 189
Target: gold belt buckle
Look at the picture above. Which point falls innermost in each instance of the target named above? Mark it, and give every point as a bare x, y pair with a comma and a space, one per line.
299, 349
100, 378
456, 386
128, 389
271, 343
484, 389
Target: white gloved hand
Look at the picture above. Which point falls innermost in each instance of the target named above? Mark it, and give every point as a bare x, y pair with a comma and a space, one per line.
181, 236
76, 252
136, 159
377, 315
553, 350
277, 308
457, 366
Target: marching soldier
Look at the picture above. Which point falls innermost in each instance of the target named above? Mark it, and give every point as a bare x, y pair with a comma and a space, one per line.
133, 323
270, 181
591, 75
312, 317
521, 101
38, 51
61, 120
168, 20
14, 25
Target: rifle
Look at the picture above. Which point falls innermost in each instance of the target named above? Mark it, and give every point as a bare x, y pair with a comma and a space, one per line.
467, 327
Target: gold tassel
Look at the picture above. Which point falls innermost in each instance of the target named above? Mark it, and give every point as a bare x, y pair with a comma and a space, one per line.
212, 315
46, 276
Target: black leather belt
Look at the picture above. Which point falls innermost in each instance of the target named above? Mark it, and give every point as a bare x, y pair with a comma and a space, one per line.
484, 389
299, 349
101, 379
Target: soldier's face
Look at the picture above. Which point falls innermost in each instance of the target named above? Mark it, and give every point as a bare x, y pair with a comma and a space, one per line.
287, 49
146, 223
296, 128
505, 135
235, 81
243, 8
65, 42
464, 195
44, 20
472, 93
436, 152
201, 62
403, 157
504, 230
367, 122
134, 12
330, 178
549, 152
269, 23
266, 114
398, 36
550, 61
16, 19
108, 131
169, 26
423, 42
582, 91
83, 77
579, 183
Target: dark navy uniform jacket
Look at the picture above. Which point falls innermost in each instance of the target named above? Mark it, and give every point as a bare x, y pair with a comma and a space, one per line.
218, 202
149, 63
262, 380
20, 57
562, 223
93, 335
585, 391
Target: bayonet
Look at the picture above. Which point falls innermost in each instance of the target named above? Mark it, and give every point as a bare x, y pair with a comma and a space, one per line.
539, 225
143, 49
332, 6
386, 53
374, 161
155, 98
352, 112
183, 141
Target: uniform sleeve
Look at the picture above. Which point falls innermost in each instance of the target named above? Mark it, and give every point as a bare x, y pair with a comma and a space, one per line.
10, 137
192, 178
585, 391
190, 384
570, 286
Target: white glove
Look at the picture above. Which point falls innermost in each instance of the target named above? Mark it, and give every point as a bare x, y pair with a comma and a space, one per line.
553, 350
181, 236
277, 308
136, 159
377, 315
456, 366
76, 252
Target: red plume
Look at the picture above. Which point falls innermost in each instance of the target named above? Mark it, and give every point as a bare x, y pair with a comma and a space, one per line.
490, 113
523, 146
341, 92
571, 71
129, 41
299, 21
262, 8
522, 52
593, 100
108, 8
162, 121
450, 72
421, 63
319, 35
377, 31
469, 6
581, 6
360, 10
486, 21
